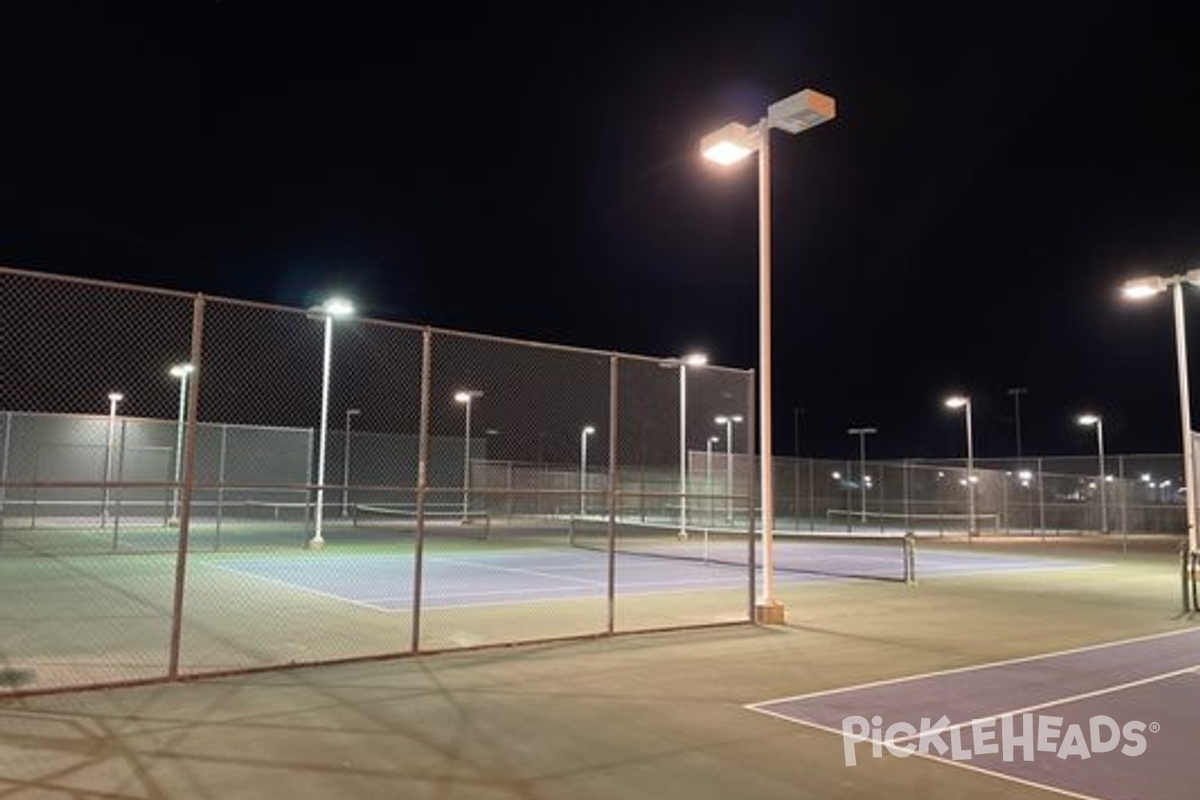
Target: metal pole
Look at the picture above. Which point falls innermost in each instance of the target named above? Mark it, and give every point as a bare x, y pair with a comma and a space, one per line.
113, 399
1016, 393
708, 475
583, 437
1103, 504
770, 610
1185, 412
466, 488
729, 469
350, 412
970, 472
183, 382
422, 489
682, 449
611, 496
327, 357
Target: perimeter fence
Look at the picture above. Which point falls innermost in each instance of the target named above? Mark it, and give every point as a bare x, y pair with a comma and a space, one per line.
192, 485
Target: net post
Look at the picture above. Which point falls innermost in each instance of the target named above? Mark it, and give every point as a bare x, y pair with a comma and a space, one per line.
910, 558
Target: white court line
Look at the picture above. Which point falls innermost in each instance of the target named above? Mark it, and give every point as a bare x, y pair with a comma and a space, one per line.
759, 707
940, 760
522, 571
1062, 701
971, 668
300, 588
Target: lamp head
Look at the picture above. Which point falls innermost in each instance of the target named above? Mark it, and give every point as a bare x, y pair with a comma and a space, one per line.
729, 144
115, 397
1141, 288
181, 370
588, 430
467, 395
957, 401
1088, 419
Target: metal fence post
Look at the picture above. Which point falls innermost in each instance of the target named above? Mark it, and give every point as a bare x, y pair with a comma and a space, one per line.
613, 418
422, 487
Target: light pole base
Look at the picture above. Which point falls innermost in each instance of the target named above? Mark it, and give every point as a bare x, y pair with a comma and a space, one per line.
315, 544
769, 612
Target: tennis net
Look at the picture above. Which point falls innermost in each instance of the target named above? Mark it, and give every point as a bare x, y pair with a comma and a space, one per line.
402, 518
873, 557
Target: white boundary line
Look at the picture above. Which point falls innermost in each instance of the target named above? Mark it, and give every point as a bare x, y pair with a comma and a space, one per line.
757, 706
301, 588
1062, 701
940, 760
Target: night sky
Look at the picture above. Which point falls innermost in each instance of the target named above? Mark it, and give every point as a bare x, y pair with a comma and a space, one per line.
532, 170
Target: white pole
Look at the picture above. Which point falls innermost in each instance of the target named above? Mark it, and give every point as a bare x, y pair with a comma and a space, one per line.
319, 517
683, 449
971, 528
583, 437
466, 490
1100, 448
1185, 412
728, 469
182, 372
350, 412
113, 399
770, 610
708, 474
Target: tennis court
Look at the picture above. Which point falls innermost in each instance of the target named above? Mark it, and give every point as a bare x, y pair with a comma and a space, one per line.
665, 714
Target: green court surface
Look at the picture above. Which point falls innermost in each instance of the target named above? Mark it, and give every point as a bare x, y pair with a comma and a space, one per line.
649, 715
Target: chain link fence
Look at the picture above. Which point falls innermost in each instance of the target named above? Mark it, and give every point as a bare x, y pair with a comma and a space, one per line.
191, 485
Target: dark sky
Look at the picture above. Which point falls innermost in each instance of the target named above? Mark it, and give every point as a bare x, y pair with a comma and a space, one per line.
532, 170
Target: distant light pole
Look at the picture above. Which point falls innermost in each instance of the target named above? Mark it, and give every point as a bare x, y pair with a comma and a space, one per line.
350, 412
1015, 393
1096, 420
1140, 288
731, 143
708, 485
587, 431
961, 401
113, 399
334, 307
466, 397
682, 363
862, 434
728, 421
180, 371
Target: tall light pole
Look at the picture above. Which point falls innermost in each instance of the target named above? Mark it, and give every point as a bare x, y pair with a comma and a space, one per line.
1095, 419
587, 431
708, 487
961, 401
350, 412
1015, 393
334, 307
1140, 288
682, 363
113, 399
862, 434
728, 421
733, 142
466, 397
180, 371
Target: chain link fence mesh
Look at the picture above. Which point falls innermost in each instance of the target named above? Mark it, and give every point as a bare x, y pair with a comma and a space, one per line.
317, 488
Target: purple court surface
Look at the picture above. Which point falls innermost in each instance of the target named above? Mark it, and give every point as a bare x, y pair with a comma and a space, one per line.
1116, 721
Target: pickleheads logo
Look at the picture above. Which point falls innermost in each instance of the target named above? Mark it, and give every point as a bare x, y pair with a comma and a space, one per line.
1027, 735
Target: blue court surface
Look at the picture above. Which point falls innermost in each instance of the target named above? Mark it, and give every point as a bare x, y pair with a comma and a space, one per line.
383, 581
1116, 721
